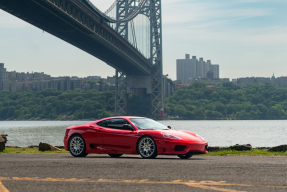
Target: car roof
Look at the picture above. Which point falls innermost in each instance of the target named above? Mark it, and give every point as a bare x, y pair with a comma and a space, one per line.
116, 117
126, 117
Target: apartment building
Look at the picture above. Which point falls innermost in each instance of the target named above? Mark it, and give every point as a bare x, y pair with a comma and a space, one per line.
190, 68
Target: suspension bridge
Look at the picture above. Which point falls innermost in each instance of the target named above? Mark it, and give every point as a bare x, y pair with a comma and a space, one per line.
128, 37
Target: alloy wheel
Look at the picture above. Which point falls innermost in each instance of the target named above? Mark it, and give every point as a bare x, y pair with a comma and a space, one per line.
77, 146
147, 148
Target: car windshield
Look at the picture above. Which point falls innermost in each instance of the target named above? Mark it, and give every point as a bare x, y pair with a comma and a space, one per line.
147, 124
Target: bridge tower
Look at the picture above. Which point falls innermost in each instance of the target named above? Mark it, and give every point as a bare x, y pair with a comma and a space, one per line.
153, 83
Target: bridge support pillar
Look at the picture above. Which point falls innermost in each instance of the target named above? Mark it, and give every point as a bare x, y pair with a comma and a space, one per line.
156, 58
140, 91
151, 9
121, 97
139, 82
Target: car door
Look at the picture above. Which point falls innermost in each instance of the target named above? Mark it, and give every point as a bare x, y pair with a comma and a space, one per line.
116, 137
93, 137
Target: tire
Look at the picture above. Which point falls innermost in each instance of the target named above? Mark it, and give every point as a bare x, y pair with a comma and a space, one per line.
115, 155
77, 146
147, 147
185, 156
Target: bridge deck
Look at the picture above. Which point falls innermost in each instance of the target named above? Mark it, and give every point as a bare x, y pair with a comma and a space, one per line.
91, 35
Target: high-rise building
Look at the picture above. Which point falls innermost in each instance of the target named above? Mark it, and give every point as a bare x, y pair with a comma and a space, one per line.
206, 68
1, 75
193, 67
185, 69
215, 70
188, 69
4, 81
199, 68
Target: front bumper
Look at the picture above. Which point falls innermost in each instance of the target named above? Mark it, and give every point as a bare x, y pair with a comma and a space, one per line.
179, 148
66, 143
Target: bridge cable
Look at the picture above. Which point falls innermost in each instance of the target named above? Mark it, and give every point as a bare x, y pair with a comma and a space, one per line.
111, 20
111, 7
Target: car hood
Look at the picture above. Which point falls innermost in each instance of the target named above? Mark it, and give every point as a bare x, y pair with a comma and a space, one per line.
184, 135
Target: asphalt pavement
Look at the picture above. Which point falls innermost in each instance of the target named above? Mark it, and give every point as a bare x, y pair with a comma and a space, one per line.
62, 172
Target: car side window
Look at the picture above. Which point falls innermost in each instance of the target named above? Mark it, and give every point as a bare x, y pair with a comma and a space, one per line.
103, 123
119, 124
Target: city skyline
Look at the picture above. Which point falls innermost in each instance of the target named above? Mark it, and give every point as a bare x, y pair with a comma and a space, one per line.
191, 68
14, 81
248, 38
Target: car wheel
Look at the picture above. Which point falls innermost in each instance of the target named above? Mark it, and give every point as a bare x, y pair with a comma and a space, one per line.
147, 147
115, 155
185, 156
77, 146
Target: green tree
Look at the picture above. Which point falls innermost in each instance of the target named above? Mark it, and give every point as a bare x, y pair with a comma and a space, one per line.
179, 110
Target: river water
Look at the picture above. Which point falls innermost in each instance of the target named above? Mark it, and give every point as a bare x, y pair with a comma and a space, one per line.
217, 133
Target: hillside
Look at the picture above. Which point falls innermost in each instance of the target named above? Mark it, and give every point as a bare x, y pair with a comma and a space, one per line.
196, 102
228, 101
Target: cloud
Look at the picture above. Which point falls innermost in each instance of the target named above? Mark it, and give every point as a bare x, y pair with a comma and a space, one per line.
203, 12
268, 36
272, 35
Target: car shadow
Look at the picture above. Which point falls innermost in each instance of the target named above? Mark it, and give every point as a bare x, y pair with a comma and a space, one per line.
161, 157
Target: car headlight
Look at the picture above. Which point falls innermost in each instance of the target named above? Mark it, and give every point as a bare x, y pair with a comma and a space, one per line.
169, 136
199, 137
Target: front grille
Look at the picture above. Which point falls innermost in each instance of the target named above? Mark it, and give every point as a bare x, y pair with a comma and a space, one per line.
179, 147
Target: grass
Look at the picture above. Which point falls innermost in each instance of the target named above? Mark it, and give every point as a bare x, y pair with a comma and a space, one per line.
253, 152
27, 150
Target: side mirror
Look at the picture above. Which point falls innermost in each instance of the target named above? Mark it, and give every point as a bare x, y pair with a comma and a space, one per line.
169, 127
127, 127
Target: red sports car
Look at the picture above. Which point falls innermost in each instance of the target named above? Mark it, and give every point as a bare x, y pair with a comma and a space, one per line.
132, 135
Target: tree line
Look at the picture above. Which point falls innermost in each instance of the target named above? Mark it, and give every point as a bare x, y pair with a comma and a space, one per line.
228, 101
197, 102
51, 104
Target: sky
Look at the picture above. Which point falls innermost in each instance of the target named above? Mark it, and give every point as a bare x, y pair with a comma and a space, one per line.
245, 37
